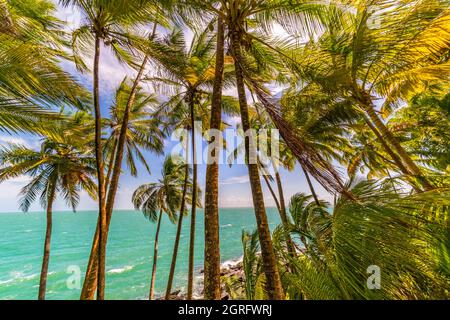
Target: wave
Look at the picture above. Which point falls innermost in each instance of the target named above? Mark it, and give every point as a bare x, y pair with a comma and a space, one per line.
19, 276
226, 225
231, 263
120, 270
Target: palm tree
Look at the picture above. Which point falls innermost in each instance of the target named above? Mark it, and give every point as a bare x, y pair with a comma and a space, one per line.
110, 22
260, 121
31, 80
423, 128
384, 228
185, 199
105, 22
389, 62
189, 74
156, 198
211, 281
142, 133
237, 15
63, 165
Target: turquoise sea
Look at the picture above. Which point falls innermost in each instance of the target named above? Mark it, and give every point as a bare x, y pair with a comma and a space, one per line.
129, 254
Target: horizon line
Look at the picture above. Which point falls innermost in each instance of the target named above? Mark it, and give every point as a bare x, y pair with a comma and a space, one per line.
93, 210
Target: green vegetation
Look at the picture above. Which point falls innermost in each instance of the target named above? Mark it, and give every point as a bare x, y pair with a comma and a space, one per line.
364, 88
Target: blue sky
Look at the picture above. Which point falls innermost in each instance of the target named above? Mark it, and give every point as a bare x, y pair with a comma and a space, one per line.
234, 189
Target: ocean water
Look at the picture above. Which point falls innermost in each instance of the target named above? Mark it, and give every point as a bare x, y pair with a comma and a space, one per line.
129, 252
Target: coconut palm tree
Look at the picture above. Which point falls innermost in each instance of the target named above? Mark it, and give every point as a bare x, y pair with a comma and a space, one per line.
142, 133
156, 198
343, 242
64, 165
211, 281
423, 129
377, 65
105, 22
31, 81
188, 78
185, 200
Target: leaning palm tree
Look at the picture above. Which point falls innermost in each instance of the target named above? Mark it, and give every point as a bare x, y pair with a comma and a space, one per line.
379, 65
63, 165
156, 198
141, 133
187, 76
105, 22
185, 200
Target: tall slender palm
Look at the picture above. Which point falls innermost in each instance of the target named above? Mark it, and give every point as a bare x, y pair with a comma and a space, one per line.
262, 126
189, 76
107, 23
63, 165
211, 281
156, 198
142, 133
185, 200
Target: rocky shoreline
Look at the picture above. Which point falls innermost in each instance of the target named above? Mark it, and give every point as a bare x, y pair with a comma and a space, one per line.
228, 269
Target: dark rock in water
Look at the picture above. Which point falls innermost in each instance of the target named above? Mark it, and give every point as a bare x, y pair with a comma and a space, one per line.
228, 270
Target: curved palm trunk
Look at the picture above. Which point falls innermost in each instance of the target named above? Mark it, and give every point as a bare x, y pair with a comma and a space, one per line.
48, 236
180, 223
272, 192
310, 185
194, 204
155, 258
273, 281
100, 176
283, 215
212, 250
110, 166
90, 281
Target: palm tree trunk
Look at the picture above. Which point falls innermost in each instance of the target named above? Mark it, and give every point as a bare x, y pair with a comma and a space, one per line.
48, 236
110, 165
310, 185
272, 192
194, 203
211, 266
273, 281
283, 215
180, 222
90, 281
100, 176
155, 258
387, 138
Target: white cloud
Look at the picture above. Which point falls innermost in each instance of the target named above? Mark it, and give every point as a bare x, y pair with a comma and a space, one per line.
15, 140
235, 180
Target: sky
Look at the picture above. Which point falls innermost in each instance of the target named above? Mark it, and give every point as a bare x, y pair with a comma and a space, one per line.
234, 187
